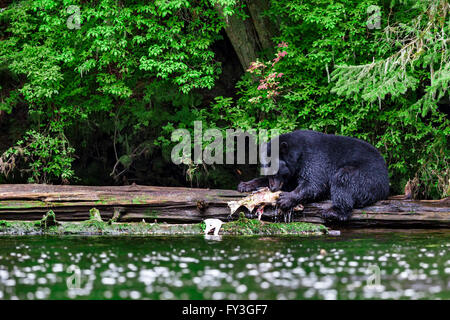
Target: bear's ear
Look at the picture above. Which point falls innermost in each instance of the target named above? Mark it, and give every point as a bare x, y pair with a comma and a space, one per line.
284, 147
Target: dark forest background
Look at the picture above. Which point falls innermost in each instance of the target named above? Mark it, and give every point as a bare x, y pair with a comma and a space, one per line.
90, 91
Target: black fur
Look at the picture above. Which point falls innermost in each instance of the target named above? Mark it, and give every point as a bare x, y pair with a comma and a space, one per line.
318, 166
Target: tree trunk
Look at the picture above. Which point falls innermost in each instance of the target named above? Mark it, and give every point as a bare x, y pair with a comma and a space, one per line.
265, 28
252, 35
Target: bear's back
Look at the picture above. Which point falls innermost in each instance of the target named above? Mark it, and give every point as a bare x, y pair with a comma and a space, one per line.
338, 148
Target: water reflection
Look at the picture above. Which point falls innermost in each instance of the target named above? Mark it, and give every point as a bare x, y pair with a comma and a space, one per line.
213, 237
345, 267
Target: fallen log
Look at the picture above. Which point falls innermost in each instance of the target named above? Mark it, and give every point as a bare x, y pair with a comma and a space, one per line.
189, 205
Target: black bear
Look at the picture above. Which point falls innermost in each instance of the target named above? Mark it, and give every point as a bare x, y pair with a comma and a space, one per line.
318, 166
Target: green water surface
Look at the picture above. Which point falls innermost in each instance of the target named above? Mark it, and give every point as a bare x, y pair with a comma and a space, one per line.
387, 264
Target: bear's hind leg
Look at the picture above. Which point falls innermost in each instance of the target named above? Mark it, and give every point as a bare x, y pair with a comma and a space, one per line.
343, 195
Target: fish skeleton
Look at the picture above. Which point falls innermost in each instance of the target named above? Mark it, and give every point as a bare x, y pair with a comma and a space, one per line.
259, 199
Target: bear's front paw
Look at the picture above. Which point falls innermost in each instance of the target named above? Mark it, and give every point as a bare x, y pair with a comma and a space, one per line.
245, 187
286, 201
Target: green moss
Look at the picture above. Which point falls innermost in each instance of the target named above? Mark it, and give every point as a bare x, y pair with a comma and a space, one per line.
140, 199
151, 214
13, 204
94, 215
105, 200
242, 226
48, 220
94, 223
4, 223
20, 227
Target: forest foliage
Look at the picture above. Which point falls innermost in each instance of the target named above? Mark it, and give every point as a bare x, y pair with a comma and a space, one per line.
94, 100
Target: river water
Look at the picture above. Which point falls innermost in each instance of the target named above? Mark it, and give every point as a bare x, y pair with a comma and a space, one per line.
386, 264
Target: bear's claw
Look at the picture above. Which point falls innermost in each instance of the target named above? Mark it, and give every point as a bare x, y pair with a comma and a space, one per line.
286, 201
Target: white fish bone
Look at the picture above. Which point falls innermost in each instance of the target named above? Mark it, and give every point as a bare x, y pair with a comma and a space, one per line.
215, 224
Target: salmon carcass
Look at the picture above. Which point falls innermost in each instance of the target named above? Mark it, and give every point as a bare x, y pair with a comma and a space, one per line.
258, 199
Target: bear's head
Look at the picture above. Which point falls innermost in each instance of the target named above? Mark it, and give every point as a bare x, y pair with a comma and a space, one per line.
276, 166
277, 180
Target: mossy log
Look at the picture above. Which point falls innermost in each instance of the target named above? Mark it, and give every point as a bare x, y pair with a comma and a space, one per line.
189, 205
242, 226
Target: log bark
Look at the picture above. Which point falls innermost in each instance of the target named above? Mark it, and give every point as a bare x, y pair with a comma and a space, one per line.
187, 205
